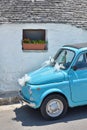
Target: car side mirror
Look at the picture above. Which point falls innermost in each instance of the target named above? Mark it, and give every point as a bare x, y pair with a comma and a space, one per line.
74, 68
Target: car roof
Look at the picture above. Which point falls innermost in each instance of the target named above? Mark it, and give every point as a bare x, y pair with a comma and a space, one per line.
77, 46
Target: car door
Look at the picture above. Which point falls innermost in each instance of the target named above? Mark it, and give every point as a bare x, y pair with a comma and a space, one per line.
78, 79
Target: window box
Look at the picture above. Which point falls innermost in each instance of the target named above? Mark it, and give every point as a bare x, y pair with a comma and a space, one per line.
36, 46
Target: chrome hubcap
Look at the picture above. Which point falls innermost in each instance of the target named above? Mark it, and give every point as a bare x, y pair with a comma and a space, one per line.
54, 107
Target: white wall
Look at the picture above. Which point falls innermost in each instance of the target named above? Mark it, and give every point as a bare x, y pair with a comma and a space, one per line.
14, 62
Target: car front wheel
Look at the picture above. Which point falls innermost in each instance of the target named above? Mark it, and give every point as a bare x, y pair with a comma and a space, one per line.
54, 106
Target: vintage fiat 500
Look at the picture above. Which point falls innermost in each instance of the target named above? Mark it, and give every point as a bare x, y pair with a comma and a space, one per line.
60, 83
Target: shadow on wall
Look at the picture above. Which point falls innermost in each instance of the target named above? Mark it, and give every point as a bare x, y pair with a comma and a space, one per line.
31, 117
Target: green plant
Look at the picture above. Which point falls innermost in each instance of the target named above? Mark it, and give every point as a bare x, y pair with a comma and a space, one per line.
41, 41
38, 41
26, 40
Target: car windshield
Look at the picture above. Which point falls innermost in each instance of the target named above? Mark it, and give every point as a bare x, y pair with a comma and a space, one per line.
64, 58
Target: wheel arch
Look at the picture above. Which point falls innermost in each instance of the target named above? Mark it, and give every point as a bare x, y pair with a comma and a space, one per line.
55, 92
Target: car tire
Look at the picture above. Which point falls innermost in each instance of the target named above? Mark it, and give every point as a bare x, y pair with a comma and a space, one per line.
53, 107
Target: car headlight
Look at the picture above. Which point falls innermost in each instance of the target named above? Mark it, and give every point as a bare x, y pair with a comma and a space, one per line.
23, 80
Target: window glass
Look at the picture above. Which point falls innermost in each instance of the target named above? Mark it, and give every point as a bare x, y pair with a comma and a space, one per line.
65, 57
82, 61
80, 58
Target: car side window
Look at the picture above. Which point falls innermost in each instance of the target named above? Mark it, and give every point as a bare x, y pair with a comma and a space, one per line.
82, 61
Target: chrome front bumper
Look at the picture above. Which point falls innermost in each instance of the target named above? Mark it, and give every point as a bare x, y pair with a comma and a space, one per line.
23, 101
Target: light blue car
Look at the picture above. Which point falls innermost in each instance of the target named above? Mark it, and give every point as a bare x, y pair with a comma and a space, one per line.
60, 83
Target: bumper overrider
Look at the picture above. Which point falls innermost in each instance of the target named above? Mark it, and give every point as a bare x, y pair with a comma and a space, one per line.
22, 100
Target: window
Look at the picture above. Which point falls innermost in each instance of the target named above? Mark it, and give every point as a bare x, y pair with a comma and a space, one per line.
82, 61
64, 57
34, 39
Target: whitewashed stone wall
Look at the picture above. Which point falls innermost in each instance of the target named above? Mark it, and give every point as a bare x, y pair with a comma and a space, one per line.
14, 62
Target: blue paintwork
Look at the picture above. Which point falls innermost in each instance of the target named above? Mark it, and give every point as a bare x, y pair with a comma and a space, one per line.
72, 84
46, 75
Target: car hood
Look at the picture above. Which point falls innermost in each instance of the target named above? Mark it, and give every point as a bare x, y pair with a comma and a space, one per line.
46, 75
